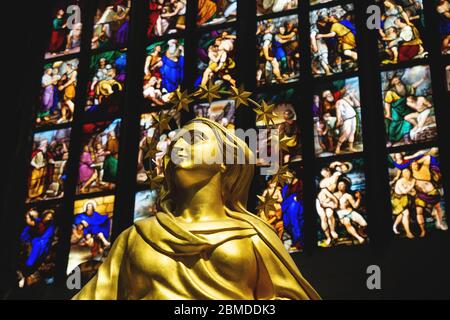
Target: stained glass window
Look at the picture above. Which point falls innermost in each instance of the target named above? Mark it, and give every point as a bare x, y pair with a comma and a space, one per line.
443, 8
59, 85
316, 2
166, 17
267, 7
216, 57
333, 40
66, 29
337, 118
157, 132
352, 112
282, 207
39, 238
277, 50
111, 23
286, 123
48, 165
417, 193
341, 203
447, 72
91, 232
106, 84
216, 12
145, 204
164, 71
400, 38
409, 108
221, 111
99, 157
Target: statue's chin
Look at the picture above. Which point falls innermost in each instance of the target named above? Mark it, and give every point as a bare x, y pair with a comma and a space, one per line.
185, 165
190, 175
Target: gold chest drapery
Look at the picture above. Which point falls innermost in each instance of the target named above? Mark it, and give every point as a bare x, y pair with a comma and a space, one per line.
160, 258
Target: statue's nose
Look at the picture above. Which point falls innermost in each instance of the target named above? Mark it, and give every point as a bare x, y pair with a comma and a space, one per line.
181, 144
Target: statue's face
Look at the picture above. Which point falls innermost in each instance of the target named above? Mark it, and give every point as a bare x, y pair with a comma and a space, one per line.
196, 154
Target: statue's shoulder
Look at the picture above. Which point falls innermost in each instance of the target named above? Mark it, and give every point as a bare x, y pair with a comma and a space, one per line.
144, 224
137, 230
145, 228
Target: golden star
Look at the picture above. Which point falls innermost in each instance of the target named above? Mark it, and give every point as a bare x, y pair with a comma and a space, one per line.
155, 181
181, 100
240, 96
265, 113
282, 175
286, 142
162, 121
150, 149
209, 92
266, 204
150, 154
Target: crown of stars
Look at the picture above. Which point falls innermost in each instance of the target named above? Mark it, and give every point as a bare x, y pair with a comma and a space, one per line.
181, 100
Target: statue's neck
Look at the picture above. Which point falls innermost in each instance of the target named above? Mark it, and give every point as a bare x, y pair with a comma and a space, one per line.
202, 202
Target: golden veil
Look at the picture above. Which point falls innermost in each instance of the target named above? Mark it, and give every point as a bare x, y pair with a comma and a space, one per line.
164, 237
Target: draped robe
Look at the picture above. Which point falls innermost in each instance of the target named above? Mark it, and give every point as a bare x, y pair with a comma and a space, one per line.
235, 258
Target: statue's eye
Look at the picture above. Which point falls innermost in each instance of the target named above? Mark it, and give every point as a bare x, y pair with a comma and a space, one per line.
198, 136
192, 136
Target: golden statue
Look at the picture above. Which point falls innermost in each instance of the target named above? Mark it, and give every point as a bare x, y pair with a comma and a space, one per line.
204, 244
